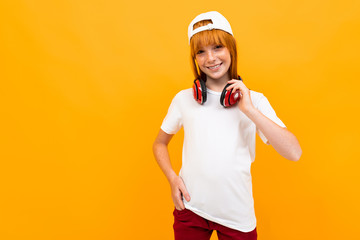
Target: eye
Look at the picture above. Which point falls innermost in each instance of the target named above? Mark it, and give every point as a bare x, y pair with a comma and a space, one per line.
218, 46
200, 51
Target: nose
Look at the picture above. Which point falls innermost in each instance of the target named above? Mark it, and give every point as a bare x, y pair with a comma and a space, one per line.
211, 56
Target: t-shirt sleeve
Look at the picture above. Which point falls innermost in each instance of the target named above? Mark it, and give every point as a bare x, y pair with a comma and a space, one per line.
172, 122
266, 109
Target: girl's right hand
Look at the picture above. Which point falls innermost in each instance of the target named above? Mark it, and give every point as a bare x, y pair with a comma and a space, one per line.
177, 189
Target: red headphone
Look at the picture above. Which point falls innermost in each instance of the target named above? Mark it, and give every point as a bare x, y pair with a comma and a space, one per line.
227, 99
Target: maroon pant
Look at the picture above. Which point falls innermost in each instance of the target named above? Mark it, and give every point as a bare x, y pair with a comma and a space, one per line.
190, 226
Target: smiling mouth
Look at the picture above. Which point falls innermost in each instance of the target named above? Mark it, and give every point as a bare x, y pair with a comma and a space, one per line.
214, 67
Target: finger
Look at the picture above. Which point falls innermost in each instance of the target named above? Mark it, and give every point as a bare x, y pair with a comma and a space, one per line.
185, 192
231, 86
241, 87
234, 80
242, 84
177, 199
182, 206
186, 195
179, 203
234, 88
237, 81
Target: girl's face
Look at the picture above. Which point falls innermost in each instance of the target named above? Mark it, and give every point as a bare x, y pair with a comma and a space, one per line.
214, 60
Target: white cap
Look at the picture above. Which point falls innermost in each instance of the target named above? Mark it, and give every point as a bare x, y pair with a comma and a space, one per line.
218, 22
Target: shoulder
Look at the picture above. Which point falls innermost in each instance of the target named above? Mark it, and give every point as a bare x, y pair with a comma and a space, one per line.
182, 97
256, 97
185, 93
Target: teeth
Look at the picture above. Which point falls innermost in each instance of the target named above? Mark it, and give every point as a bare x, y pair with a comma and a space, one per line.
214, 66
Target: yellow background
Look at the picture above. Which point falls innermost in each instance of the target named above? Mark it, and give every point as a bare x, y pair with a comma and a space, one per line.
85, 86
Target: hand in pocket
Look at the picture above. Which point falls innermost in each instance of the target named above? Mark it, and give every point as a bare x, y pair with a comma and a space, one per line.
177, 190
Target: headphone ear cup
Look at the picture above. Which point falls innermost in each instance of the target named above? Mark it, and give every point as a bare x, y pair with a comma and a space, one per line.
203, 90
199, 91
229, 98
224, 96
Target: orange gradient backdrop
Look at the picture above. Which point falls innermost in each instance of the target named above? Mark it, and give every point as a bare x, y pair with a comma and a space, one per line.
85, 86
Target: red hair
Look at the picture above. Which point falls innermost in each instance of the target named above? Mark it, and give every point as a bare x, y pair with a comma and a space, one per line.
208, 37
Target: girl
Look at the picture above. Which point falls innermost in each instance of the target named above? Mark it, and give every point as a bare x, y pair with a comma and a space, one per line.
220, 116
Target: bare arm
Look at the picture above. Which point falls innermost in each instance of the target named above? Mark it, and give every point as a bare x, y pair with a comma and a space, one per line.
161, 153
283, 141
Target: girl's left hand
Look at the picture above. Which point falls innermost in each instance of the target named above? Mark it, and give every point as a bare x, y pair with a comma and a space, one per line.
245, 103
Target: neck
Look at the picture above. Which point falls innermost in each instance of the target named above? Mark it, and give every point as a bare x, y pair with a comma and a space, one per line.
217, 85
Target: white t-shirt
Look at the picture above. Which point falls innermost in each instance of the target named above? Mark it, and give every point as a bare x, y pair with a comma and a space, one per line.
218, 149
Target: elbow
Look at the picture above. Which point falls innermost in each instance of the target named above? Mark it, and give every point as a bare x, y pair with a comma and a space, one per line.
155, 146
296, 155
296, 151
